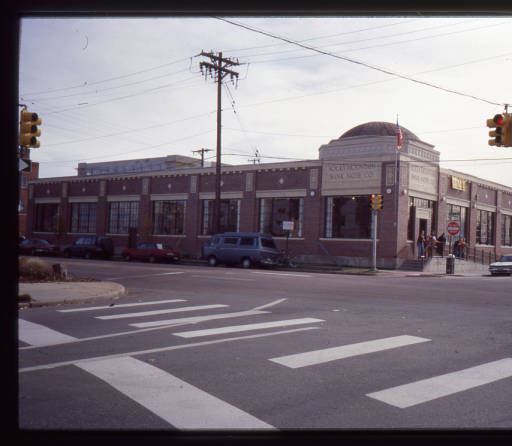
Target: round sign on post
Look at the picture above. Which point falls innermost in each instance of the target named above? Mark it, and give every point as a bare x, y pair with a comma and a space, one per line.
453, 228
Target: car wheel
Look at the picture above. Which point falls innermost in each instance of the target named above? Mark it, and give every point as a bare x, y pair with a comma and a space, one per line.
127, 258
212, 261
246, 263
151, 259
88, 255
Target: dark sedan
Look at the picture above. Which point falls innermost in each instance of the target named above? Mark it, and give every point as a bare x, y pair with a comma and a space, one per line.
37, 246
151, 252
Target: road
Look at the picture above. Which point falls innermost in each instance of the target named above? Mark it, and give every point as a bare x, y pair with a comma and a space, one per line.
192, 347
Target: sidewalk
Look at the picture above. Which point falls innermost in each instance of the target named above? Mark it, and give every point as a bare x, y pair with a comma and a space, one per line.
57, 293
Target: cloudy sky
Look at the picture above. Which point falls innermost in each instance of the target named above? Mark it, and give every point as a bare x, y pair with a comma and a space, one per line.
124, 88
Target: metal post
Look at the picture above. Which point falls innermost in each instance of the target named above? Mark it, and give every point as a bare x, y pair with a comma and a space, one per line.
374, 240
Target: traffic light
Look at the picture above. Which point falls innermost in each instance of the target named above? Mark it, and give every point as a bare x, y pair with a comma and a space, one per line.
373, 202
28, 129
379, 202
498, 123
507, 130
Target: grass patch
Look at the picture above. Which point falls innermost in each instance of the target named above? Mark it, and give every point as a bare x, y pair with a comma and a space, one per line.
34, 269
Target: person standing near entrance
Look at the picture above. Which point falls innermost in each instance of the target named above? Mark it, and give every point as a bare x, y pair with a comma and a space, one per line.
441, 240
421, 244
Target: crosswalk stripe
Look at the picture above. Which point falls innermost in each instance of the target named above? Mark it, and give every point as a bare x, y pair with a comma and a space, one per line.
196, 319
432, 388
281, 274
157, 312
182, 405
246, 327
345, 351
105, 307
146, 275
35, 334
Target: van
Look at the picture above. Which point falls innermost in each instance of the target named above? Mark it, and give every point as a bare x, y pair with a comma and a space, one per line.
89, 247
243, 248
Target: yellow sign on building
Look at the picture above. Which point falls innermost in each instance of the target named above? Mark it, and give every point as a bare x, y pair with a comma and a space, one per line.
458, 183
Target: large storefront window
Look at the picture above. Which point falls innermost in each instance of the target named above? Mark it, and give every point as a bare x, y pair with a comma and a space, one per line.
458, 214
425, 211
46, 217
168, 217
83, 217
348, 217
123, 215
484, 227
229, 216
506, 230
273, 211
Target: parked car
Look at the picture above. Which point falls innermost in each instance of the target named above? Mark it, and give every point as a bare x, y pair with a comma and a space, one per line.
504, 266
151, 252
37, 246
244, 248
89, 247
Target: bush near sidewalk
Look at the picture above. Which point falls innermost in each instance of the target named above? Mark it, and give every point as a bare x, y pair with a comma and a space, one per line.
34, 269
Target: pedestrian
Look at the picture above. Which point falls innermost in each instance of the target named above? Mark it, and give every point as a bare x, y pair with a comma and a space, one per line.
456, 248
421, 244
441, 240
462, 248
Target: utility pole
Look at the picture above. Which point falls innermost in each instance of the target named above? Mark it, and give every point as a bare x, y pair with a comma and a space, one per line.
217, 69
256, 158
202, 152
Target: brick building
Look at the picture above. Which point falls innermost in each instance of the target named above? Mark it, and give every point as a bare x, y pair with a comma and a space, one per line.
327, 199
24, 177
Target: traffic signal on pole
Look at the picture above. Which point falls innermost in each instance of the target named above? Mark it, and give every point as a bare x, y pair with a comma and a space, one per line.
497, 123
29, 130
373, 202
507, 130
379, 202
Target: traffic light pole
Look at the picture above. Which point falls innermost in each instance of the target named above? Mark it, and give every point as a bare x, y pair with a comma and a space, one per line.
374, 240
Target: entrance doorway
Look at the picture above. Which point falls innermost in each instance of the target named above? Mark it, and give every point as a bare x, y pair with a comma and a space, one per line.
424, 225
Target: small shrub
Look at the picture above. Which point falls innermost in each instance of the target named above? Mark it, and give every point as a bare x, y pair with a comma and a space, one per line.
34, 269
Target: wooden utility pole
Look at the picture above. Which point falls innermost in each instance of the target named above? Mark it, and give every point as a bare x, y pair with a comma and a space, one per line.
202, 152
217, 69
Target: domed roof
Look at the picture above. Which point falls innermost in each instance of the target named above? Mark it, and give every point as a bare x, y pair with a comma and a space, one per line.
378, 129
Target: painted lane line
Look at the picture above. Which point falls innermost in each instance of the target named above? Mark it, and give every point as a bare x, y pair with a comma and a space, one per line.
161, 349
146, 275
156, 312
271, 304
430, 389
223, 278
107, 307
246, 327
197, 319
36, 334
345, 351
281, 274
182, 405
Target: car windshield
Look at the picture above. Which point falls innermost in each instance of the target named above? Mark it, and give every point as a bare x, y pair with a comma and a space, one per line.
268, 243
506, 259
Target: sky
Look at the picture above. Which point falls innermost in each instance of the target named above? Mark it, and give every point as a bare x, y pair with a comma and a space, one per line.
127, 88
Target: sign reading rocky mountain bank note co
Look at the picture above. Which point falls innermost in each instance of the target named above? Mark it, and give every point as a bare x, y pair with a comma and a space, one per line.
351, 176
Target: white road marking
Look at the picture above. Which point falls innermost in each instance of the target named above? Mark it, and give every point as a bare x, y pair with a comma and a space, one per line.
223, 278
235, 328
36, 334
429, 389
181, 404
196, 319
107, 307
161, 349
157, 312
282, 274
345, 351
271, 304
146, 275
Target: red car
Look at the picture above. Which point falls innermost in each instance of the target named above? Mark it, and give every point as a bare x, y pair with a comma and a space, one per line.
151, 252
37, 246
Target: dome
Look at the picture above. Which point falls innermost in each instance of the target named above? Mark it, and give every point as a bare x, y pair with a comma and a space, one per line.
378, 129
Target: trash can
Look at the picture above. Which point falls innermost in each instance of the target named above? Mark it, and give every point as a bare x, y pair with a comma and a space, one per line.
450, 264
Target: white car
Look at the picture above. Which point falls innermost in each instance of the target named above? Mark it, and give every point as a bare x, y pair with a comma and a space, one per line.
504, 266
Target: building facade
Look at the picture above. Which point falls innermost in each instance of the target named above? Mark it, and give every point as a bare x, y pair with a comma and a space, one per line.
328, 201
24, 177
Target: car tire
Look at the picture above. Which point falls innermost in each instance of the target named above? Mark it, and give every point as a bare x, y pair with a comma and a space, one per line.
88, 255
212, 261
127, 258
246, 263
151, 259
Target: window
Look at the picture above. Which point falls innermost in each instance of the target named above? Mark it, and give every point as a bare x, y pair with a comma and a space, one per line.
247, 241
83, 217
506, 230
46, 217
231, 240
484, 227
123, 215
458, 214
24, 180
229, 216
168, 217
348, 217
273, 211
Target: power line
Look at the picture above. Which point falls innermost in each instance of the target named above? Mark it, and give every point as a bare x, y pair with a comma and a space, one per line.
347, 59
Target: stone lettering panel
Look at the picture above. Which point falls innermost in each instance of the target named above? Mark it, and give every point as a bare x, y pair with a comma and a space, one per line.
351, 175
423, 178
